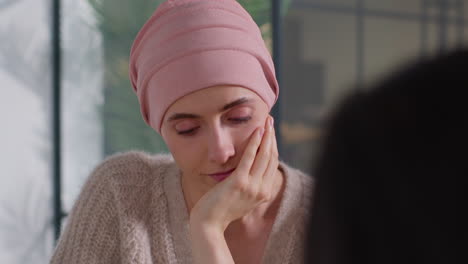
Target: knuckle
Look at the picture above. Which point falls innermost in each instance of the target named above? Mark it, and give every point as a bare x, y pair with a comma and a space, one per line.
251, 193
263, 196
241, 186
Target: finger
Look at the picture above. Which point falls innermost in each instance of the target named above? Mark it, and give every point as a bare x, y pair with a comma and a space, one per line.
266, 191
250, 152
270, 174
263, 156
274, 146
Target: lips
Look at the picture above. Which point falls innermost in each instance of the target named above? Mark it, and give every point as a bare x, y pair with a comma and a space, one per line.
221, 175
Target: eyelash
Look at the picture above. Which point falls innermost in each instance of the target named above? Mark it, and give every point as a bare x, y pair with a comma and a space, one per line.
187, 132
235, 120
240, 120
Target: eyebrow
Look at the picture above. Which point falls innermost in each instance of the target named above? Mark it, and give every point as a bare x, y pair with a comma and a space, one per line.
237, 102
230, 105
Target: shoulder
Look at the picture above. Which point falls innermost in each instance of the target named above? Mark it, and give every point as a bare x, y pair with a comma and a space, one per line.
129, 177
301, 185
122, 191
135, 168
130, 180
303, 179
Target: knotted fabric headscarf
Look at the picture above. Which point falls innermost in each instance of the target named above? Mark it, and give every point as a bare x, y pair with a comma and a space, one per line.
188, 45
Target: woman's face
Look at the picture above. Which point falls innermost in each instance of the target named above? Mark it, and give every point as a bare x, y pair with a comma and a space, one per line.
208, 130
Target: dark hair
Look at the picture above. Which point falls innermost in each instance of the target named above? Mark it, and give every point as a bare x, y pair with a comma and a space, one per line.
388, 173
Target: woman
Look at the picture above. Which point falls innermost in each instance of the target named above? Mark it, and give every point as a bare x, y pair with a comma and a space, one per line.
389, 176
206, 83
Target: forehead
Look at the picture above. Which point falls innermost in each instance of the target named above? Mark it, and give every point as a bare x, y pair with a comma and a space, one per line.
211, 99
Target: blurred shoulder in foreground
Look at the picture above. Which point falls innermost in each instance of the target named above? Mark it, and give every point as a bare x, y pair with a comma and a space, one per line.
389, 172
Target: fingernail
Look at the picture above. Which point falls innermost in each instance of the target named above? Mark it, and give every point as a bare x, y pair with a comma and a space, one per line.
262, 130
271, 121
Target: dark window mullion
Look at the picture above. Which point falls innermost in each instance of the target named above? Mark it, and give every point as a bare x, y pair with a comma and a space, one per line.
360, 43
276, 43
56, 118
460, 22
443, 7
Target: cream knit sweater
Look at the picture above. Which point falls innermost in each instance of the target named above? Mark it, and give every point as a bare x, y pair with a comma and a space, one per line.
132, 210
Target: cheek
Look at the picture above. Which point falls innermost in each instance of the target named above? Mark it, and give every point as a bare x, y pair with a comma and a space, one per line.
186, 153
242, 136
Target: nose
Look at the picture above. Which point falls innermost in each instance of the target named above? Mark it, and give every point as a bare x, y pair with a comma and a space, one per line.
220, 146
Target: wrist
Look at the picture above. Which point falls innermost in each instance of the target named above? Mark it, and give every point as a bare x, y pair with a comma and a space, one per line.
206, 233
208, 243
200, 227
202, 223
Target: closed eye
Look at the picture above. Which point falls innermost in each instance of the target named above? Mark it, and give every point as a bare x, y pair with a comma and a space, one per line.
240, 119
188, 131
237, 120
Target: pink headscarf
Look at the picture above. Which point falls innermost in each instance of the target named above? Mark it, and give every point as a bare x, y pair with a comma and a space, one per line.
188, 45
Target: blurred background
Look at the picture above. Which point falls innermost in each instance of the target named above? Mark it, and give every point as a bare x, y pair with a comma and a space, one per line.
66, 101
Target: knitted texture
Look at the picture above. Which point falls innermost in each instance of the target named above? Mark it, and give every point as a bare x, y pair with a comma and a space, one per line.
132, 210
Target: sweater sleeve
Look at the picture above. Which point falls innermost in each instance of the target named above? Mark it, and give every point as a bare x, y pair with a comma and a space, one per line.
91, 233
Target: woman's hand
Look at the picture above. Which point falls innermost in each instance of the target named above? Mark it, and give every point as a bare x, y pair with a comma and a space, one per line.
250, 185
